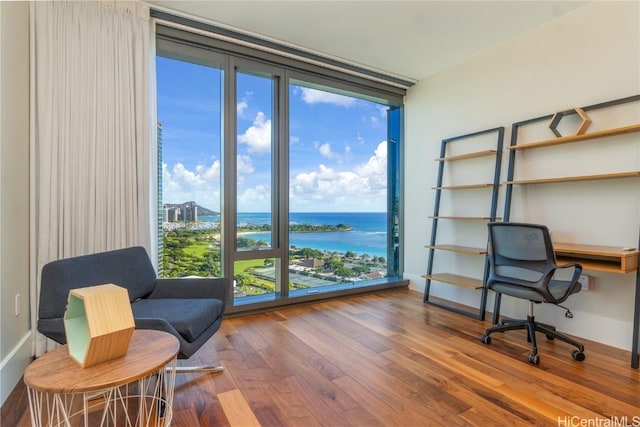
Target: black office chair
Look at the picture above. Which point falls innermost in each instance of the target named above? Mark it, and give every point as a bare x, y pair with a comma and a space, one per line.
522, 264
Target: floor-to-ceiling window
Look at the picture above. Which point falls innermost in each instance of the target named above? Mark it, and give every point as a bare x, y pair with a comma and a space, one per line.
257, 255
286, 179
190, 140
338, 173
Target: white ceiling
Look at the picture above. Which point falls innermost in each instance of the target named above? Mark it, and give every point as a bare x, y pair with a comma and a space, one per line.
411, 39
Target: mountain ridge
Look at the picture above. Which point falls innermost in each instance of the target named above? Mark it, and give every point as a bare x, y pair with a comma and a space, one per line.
190, 205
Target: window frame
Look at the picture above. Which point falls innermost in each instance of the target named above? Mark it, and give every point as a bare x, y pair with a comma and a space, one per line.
230, 56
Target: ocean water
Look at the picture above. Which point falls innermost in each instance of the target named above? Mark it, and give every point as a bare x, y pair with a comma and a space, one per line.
369, 234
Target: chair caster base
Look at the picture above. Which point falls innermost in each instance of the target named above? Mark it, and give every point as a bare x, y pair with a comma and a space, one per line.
534, 359
486, 339
578, 355
198, 369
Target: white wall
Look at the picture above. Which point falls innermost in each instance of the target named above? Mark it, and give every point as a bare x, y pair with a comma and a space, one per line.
15, 343
588, 56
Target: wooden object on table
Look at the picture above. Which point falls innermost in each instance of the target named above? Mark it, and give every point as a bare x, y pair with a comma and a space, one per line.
54, 378
98, 323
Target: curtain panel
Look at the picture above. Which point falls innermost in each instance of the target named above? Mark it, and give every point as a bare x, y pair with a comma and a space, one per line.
91, 144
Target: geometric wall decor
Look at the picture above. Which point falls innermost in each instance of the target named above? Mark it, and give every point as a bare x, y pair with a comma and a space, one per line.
555, 120
98, 323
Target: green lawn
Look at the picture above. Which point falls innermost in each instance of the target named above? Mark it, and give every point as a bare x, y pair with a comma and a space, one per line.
198, 249
242, 266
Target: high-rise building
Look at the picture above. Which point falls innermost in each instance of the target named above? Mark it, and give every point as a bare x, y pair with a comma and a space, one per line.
191, 213
161, 211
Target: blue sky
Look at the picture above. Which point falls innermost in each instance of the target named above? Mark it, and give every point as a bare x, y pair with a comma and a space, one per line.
338, 143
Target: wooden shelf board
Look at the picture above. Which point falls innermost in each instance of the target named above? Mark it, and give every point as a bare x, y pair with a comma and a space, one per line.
473, 155
459, 249
463, 187
617, 175
466, 218
576, 138
457, 280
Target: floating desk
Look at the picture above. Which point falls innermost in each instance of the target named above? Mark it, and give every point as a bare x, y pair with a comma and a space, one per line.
598, 258
61, 391
609, 260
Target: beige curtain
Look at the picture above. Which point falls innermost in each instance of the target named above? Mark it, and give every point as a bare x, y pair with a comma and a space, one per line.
90, 132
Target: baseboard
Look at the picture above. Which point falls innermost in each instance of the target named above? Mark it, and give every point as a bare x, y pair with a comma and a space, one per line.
416, 282
13, 366
605, 330
614, 332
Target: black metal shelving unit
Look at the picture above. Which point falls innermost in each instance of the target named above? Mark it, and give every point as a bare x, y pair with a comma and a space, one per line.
581, 135
450, 278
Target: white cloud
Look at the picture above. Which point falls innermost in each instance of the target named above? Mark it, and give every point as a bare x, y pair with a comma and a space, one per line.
258, 136
255, 199
202, 185
377, 164
325, 151
314, 96
241, 107
244, 164
361, 189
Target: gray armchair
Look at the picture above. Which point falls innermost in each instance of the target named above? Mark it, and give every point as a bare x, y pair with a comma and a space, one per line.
191, 309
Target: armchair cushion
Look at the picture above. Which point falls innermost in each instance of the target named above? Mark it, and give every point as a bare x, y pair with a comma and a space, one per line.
190, 317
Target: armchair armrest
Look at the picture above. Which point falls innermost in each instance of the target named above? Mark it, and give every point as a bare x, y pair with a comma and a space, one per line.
188, 287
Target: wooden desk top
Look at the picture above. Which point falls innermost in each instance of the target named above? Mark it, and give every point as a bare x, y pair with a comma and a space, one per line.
611, 251
57, 372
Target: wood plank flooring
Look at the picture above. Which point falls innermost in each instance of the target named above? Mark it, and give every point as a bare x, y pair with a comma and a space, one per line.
390, 360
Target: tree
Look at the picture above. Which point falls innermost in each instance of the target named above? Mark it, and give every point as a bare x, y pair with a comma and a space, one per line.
343, 271
333, 264
311, 253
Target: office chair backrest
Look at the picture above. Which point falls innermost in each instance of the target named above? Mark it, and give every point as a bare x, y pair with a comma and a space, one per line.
519, 250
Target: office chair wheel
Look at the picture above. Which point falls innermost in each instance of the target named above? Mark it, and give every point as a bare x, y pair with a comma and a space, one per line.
161, 408
534, 359
578, 355
486, 339
550, 337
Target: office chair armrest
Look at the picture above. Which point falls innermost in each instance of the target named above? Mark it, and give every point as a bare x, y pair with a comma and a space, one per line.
191, 287
576, 272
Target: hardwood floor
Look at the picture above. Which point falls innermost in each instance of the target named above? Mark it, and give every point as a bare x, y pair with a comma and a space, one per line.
390, 360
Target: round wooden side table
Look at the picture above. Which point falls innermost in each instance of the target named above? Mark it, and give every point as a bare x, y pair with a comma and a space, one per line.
133, 390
